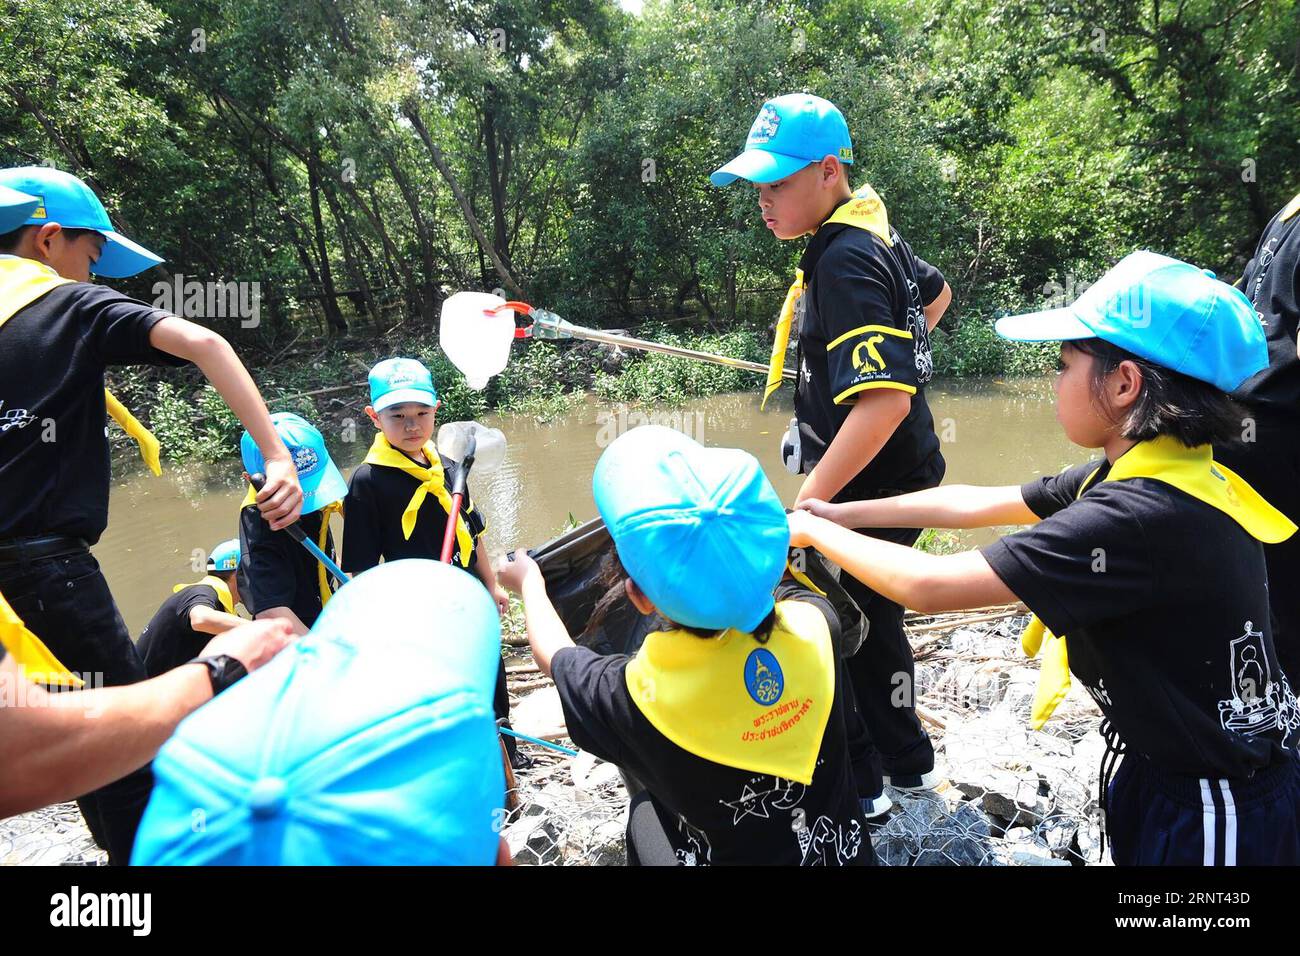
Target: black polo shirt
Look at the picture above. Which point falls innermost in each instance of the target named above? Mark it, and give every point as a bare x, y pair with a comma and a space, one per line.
277, 571
1164, 604
861, 327
168, 641
54, 453
1271, 281
376, 498
724, 814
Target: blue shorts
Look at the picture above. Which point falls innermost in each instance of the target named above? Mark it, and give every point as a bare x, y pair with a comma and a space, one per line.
1158, 819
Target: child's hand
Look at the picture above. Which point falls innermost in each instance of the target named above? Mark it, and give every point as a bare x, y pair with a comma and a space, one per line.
502, 597
803, 526
512, 574
280, 499
822, 509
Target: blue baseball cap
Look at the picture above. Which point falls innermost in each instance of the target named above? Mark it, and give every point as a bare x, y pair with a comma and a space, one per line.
65, 199
15, 207
225, 556
369, 741
700, 530
1164, 310
322, 482
397, 380
789, 132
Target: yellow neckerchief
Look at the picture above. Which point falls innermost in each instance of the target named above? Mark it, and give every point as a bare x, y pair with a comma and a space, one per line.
218, 585
22, 282
432, 481
1291, 209
864, 210
1192, 471
736, 702
322, 576
30, 653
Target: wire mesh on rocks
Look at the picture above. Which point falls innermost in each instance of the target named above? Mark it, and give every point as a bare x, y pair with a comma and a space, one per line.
1012, 796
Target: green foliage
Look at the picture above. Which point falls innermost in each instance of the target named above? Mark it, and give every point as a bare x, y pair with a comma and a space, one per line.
974, 348
203, 431
939, 541
361, 159
655, 378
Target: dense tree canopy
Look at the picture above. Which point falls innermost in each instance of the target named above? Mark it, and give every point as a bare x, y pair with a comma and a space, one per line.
361, 159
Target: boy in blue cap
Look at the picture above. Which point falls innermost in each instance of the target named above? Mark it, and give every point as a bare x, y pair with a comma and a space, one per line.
58, 335
370, 742
733, 715
194, 613
398, 499
1269, 454
1147, 563
279, 578
864, 306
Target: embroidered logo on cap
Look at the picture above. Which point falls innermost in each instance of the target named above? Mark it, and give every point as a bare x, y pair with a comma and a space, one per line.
765, 125
305, 460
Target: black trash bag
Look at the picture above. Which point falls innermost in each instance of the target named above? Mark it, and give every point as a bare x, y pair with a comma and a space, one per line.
574, 566
826, 578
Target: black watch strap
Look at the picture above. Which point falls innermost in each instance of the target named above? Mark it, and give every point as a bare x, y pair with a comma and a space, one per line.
223, 670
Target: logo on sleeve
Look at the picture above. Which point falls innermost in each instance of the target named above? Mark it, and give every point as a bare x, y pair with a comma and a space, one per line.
869, 346
763, 677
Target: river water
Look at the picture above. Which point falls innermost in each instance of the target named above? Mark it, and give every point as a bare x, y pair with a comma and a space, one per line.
993, 432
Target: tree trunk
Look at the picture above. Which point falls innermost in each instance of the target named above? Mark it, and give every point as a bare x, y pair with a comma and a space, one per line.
329, 299
462, 200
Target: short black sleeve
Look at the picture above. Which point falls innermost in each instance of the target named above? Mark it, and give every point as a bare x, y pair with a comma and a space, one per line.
267, 560
866, 346
362, 543
1048, 495
168, 640
594, 696
117, 327
190, 598
929, 281
1086, 563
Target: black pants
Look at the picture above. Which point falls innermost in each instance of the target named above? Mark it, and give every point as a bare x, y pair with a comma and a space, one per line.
65, 601
883, 674
1158, 819
647, 834
1271, 464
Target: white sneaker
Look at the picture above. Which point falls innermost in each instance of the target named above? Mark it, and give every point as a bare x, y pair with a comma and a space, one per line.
877, 806
913, 782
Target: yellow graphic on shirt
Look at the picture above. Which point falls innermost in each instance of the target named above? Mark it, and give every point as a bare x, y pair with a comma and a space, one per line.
869, 346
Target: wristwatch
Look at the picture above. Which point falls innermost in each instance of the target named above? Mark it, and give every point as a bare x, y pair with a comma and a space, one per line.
223, 670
